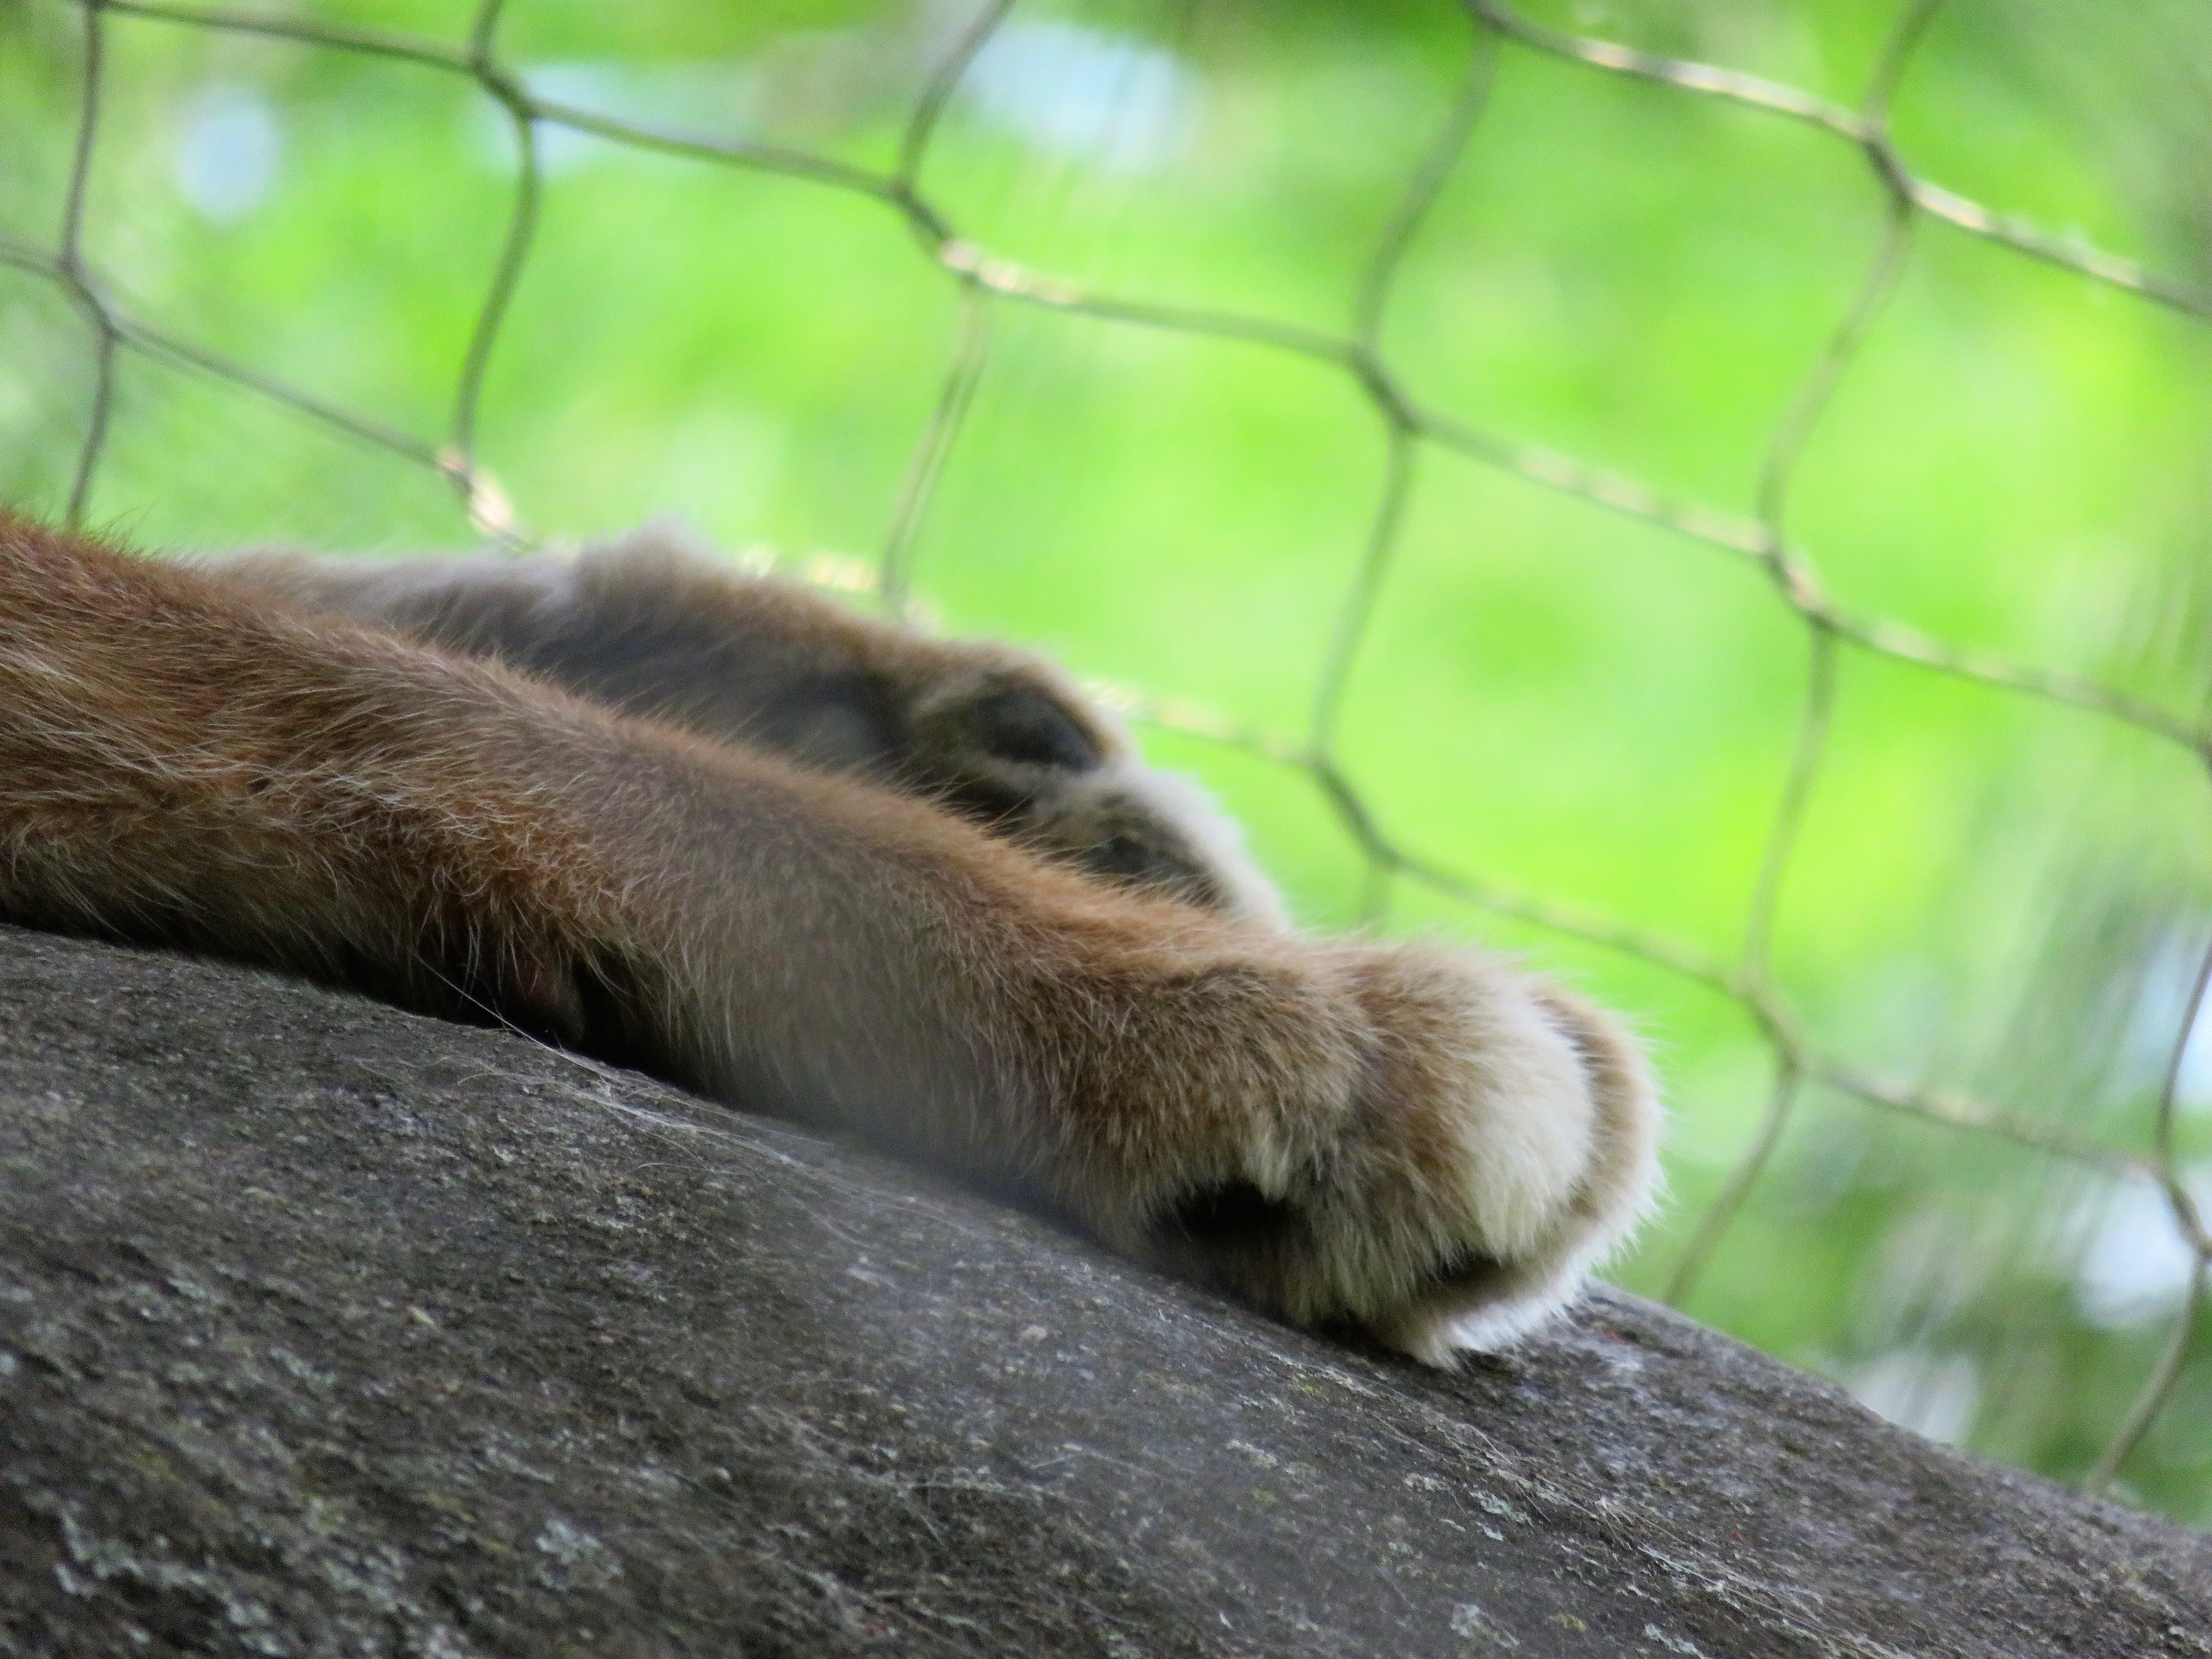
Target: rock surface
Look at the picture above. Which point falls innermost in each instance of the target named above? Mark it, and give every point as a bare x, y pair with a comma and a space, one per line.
327, 1330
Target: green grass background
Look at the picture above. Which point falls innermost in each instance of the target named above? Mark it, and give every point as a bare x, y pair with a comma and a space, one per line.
1992, 892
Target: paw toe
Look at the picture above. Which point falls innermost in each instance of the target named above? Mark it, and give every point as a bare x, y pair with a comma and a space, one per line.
1508, 1145
1022, 725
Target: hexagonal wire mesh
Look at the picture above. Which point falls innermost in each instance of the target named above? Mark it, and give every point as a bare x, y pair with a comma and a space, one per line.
985, 283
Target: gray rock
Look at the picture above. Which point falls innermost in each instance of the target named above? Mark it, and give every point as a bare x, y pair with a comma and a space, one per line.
327, 1330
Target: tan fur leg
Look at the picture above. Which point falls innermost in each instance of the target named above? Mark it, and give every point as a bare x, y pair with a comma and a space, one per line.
651, 624
1425, 1141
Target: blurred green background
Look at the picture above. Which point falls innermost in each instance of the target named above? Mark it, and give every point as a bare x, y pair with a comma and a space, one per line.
1992, 893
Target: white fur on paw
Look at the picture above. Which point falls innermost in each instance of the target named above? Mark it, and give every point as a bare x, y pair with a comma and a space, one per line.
1504, 1142
1558, 1124
1523, 1122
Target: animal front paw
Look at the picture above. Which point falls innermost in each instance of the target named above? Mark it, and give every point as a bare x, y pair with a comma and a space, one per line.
1500, 1139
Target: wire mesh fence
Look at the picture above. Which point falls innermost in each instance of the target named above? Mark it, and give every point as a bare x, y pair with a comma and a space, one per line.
986, 285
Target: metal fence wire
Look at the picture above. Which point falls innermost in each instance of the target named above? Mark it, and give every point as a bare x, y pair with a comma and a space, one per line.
985, 282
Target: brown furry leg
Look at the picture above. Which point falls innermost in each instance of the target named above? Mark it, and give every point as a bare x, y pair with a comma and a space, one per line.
1425, 1141
649, 624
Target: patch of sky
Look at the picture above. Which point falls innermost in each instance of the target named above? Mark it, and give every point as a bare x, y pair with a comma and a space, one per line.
1932, 1393
2192, 1087
2163, 999
1125, 105
717, 96
228, 150
2136, 1265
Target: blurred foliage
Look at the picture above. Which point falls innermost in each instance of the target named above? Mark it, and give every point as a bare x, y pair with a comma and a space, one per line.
1992, 892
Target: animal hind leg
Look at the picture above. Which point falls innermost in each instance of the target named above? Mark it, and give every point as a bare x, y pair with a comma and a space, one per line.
650, 625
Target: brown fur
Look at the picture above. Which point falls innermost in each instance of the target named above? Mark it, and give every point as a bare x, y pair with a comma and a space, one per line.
650, 626
1425, 1141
